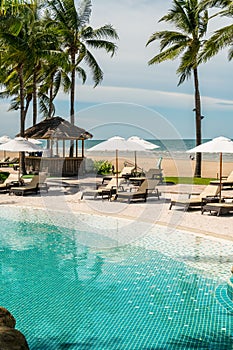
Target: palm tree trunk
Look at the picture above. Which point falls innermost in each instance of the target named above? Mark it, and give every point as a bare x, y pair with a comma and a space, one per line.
22, 117
72, 97
34, 93
51, 97
198, 122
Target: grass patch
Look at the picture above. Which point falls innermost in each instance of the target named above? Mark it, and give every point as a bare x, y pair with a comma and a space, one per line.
189, 180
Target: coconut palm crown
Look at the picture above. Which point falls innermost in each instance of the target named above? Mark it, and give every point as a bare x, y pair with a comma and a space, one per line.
185, 41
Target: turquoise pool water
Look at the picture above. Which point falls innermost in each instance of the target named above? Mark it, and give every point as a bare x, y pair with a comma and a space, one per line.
160, 292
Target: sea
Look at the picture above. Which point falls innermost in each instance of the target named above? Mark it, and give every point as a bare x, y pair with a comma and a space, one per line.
173, 148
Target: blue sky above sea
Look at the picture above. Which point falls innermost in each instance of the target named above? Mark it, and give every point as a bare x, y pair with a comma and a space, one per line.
135, 98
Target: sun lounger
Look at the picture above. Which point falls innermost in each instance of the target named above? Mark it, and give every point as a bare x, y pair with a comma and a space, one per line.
217, 208
36, 185
105, 191
5, 186
145, 190
225, 182
210, 193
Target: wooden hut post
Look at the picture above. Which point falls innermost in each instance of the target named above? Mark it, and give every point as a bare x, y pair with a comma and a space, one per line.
56, 147
82, 148
76, 142
63, 148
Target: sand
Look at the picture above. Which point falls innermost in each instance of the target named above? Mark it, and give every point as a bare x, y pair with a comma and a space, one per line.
175, 167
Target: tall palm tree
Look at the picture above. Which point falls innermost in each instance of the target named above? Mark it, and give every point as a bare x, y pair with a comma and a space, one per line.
222, 37
17, 59
78, 38
191, 23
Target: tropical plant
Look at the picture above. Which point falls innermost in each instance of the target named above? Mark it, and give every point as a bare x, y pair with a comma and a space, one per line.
191, 22
222, 37
102, 167
78, 37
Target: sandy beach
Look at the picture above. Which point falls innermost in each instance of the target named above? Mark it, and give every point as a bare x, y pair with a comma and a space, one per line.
174, 167
67, 199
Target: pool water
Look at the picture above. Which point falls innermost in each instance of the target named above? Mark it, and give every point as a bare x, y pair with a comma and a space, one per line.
160, 292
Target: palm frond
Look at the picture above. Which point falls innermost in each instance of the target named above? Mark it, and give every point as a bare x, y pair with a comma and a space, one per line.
108, 46
221, 39
169, 54
84, 12
97, 74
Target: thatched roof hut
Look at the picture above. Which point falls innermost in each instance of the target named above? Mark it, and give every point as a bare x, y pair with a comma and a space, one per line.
57, 128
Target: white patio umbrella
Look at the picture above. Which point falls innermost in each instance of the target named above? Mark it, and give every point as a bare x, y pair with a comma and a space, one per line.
4, 139
20, 144
117, 144
35, 142
217, 145
148, 145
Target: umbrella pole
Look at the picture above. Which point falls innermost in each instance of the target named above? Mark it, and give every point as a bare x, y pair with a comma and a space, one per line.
220, 172
116, 170
135, 160
20, 164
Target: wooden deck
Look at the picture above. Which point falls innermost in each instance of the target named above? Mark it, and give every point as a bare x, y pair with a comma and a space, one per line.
56, 166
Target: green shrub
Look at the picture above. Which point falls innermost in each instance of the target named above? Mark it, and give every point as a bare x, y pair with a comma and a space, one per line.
102, 167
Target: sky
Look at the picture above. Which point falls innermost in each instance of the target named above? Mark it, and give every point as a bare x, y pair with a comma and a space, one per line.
142, 100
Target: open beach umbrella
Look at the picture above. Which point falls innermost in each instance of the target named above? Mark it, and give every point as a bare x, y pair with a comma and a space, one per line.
35, 142
148, 145
217, 145
117, 144
20, 144
4, 139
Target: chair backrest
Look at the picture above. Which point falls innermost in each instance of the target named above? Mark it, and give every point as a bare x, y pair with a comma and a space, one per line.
152, 183
210, 190
113, 183
37, 179
143, 187
11, 177
153, 173
127, 170
230, 176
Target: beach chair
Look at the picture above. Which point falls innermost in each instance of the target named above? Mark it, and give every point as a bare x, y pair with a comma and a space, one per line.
36, 185
154, 173
218, 208
147, 188
210, 193
225, 182
105, 191
11, 179
4, 162
125, 173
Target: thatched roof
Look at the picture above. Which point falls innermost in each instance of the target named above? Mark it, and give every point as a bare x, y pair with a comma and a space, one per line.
57, 128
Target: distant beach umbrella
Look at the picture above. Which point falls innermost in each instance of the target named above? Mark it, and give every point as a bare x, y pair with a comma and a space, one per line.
4, 139
148, 145
117, 144
219, 145
20, 144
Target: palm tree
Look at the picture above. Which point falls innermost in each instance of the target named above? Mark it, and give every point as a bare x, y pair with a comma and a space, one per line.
78, 38
14, 6
222, 37
191, 22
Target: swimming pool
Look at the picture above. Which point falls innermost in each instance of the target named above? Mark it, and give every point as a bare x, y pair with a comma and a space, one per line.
159, 292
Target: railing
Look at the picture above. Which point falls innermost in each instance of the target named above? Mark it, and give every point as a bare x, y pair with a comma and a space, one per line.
56, 166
